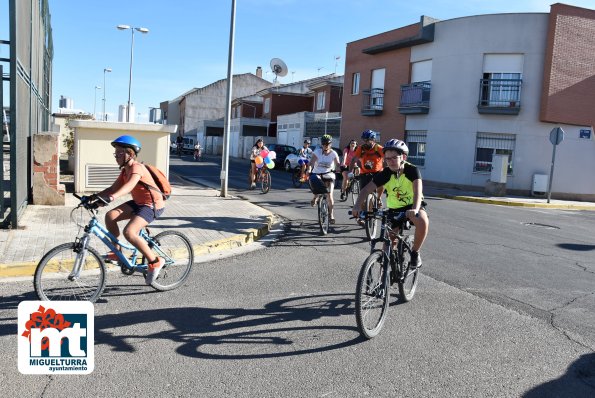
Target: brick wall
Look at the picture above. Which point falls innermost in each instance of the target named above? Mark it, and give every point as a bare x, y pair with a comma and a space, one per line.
568, 94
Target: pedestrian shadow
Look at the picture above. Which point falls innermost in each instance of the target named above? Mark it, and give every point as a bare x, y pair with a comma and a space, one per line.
279, 329
578, 381
576, 247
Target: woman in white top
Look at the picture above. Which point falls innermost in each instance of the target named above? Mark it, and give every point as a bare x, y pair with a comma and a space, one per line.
322, 161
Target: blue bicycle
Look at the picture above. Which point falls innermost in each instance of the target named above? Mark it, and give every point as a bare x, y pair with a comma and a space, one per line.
76, 271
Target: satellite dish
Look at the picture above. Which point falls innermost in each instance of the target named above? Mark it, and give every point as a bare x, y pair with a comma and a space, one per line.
278, 67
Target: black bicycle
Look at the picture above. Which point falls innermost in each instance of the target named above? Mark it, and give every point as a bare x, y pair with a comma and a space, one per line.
351, 189
383, 268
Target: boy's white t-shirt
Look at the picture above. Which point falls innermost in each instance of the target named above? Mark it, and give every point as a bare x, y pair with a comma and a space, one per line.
324, 163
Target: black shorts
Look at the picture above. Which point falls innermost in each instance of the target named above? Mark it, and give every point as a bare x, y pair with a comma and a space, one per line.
365, 178
147, 213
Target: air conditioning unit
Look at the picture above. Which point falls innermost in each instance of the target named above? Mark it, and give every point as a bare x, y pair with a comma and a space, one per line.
540, 182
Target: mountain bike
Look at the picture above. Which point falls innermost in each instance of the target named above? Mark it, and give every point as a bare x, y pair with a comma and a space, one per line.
383, 268
352, 188
76, 271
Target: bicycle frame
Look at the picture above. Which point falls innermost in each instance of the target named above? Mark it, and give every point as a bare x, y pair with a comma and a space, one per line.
96, 228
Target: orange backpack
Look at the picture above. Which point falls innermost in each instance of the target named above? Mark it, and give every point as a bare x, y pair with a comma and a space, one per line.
163, 185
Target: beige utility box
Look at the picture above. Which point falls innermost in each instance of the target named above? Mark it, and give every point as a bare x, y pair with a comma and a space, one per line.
95, 167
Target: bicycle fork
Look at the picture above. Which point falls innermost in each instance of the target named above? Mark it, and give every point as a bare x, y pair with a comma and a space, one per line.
80, 248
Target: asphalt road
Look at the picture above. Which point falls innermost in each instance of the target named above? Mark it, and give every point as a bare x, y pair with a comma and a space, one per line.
503, 308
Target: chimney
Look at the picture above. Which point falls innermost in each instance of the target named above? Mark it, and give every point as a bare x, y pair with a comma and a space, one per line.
259, 72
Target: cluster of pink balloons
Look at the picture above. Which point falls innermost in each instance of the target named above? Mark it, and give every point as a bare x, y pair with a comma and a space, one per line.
265, 158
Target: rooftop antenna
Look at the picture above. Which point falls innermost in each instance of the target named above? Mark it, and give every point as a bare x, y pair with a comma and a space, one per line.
279, 68
318, 69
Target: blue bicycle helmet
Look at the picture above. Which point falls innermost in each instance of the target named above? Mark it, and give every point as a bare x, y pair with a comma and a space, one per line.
369, 135
127, 141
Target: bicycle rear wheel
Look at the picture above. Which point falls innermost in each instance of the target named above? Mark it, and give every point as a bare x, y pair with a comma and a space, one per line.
176, 249
265, 180
371, 223
323, 217
408, 284
295, 177
54, 278
372, 295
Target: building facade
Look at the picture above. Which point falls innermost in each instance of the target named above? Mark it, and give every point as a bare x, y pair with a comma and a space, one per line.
463, 91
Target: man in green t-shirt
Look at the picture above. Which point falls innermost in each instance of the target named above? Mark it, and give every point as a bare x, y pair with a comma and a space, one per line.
403, 185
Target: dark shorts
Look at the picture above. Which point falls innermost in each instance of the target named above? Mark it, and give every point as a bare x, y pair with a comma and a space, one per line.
365, 178
145, 212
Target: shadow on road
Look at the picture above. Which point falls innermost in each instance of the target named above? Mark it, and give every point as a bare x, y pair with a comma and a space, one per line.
576, 247
281, 328
578, 381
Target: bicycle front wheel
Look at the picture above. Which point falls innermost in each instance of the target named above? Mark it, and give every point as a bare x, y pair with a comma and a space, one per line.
408, 283
56, 279
265, 180
354, 191
176, 249
372, 222
372, 295
323, 218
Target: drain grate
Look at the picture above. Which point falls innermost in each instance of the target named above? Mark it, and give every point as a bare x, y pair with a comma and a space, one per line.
539, 225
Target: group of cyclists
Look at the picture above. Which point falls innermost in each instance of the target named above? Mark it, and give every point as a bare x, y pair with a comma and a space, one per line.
380, 168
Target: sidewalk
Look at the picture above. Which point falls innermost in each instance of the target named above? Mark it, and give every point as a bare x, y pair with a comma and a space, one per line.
518, 201
212, 224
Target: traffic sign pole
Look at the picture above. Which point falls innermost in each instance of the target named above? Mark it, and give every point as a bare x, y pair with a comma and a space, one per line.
556, 137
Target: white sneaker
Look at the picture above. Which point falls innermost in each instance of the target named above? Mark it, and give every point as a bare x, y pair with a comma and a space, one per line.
153, 271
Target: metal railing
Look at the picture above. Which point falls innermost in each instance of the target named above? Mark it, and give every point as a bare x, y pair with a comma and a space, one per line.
373, 101
500, 93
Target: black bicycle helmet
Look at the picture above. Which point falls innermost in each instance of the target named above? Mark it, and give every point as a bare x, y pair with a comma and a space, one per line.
307, 141
396, 145
127, 141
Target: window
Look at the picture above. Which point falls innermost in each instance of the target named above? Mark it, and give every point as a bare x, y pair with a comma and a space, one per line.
320, 100
355, 86
501, 89
416, 141
267, 105
487, 145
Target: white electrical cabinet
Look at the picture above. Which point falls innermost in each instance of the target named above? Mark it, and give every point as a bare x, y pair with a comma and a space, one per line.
539, 184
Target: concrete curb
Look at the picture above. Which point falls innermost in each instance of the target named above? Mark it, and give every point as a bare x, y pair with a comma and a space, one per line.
27, 269
559, 206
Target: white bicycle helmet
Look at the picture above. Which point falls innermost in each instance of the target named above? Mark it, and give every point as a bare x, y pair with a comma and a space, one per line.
396, 145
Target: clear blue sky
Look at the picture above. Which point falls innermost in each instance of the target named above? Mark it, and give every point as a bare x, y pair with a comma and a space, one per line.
187, 45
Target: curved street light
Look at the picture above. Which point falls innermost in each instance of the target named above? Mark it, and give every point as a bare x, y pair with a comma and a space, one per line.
104, 118
95, 102
132, 29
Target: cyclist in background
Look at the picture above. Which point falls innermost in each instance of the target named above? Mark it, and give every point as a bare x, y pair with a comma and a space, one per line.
254, 152
348, 154
197, 151
304, 156
323, 160
404, 187
179, 144
144, 207
370, 156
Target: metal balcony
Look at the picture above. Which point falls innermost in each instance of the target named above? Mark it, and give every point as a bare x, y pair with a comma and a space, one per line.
415, 98
373, 102
500, 96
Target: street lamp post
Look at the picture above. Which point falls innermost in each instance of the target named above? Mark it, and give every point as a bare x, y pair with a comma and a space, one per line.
104, 118
95, 102
132, 29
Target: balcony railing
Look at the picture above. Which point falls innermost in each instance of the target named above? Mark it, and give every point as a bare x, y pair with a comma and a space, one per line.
500, 96
415, 98
373, 101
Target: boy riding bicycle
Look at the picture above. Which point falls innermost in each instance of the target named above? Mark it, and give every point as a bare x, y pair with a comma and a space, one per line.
403, 184
145, 206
